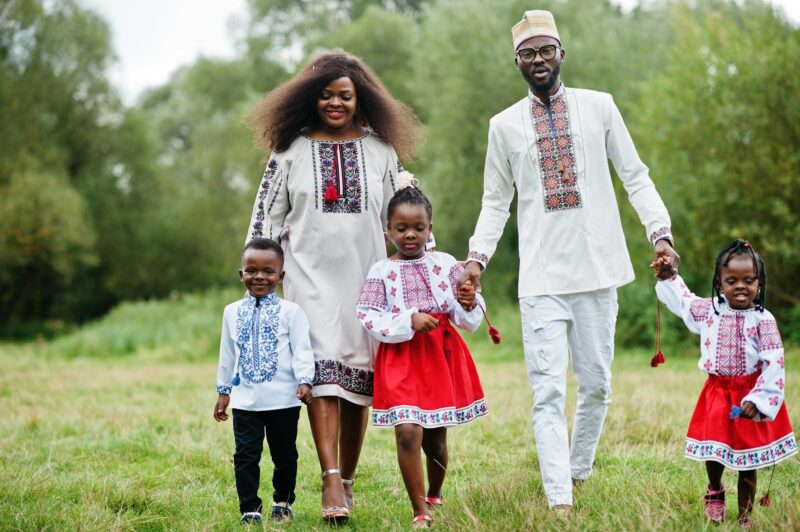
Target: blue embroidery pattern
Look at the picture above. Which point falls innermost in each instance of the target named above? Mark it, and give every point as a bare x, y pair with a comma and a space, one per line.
741, 459
257, 338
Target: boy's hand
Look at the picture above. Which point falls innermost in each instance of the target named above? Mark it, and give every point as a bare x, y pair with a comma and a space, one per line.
665, 268
304, 393
466, 295
423, 323
221, 406
749, 410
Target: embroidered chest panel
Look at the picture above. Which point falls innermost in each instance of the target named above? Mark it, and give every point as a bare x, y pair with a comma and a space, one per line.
556, 156
731, 359
257, 339
340, 183
416, 287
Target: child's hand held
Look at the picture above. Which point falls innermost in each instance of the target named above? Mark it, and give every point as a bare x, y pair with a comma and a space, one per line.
304, 394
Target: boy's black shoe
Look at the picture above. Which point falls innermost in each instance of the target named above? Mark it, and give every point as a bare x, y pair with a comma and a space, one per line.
281, 512
251, 518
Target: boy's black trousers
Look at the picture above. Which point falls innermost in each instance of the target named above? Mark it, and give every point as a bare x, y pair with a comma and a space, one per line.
249, 428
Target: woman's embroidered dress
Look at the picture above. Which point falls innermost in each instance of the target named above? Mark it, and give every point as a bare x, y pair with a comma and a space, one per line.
327, 202
424, 378
742, 352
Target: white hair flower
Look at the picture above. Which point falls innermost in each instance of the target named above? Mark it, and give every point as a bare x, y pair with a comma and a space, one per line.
406, 179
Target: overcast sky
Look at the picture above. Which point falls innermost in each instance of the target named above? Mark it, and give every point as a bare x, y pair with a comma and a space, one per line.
154, 37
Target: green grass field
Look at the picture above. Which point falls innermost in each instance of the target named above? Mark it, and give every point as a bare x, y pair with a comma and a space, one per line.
125, 439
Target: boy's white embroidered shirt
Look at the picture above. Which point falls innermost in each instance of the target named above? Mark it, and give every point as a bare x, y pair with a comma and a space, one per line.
396, 289
265, 341
733, 342
570, 233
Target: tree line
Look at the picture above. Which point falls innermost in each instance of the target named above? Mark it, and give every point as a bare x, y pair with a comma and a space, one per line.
101, 202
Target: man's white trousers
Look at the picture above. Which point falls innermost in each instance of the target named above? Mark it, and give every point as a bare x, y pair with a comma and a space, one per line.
555, 328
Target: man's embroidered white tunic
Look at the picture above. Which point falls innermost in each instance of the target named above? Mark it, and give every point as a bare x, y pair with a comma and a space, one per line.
570, 234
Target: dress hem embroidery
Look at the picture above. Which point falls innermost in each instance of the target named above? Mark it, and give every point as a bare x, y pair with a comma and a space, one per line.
741, 460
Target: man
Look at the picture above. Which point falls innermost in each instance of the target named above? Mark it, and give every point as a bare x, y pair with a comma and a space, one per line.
554, 146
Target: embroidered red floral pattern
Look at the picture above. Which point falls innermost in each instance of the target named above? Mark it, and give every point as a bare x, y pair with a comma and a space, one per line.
769, 337
415, 287
556, 155
699, 309
731, 359
373, 294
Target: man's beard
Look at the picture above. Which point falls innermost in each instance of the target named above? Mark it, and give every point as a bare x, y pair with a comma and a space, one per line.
545, 87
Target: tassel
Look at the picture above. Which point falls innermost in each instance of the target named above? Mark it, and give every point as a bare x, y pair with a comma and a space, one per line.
658, 358
766, 500
236, 380
330, 193
494, 334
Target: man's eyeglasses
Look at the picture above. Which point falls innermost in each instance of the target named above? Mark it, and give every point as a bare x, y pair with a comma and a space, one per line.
527, 55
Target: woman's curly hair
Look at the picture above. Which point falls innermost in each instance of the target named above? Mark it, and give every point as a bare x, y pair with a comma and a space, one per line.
289, 108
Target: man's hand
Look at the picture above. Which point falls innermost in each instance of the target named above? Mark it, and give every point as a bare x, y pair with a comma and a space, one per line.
471, 274
221, 406
749, 410
304, 394
423, 323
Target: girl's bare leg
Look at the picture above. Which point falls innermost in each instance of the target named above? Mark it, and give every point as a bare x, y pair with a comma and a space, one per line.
747, 492
434, 443
408, 437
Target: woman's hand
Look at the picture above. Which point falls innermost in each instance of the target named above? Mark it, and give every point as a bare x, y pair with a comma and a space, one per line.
423, 323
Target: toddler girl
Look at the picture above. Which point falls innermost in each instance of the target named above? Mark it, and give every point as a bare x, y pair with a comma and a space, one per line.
740, 420
425, 379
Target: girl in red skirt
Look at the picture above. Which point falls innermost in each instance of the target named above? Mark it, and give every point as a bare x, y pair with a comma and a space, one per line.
740, 420
425, 379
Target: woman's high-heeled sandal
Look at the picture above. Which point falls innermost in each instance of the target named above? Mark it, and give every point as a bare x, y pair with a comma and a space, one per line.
348, 492
337, 515
422, 521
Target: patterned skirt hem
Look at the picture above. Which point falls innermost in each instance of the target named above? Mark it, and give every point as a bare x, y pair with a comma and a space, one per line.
443, 417
334, 390
741, 460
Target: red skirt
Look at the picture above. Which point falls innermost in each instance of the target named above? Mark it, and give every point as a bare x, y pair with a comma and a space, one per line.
739, 443
429, 380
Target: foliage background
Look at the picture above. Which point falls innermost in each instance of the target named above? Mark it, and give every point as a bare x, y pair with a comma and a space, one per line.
102, 203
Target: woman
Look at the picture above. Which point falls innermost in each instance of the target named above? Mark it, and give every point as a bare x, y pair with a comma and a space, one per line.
335, 132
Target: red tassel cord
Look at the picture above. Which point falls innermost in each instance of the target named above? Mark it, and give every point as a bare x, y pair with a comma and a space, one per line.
330, 193
658, 358
494, 334
766, 500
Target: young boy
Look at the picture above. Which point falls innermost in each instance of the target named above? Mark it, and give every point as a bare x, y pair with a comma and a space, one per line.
266, 368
